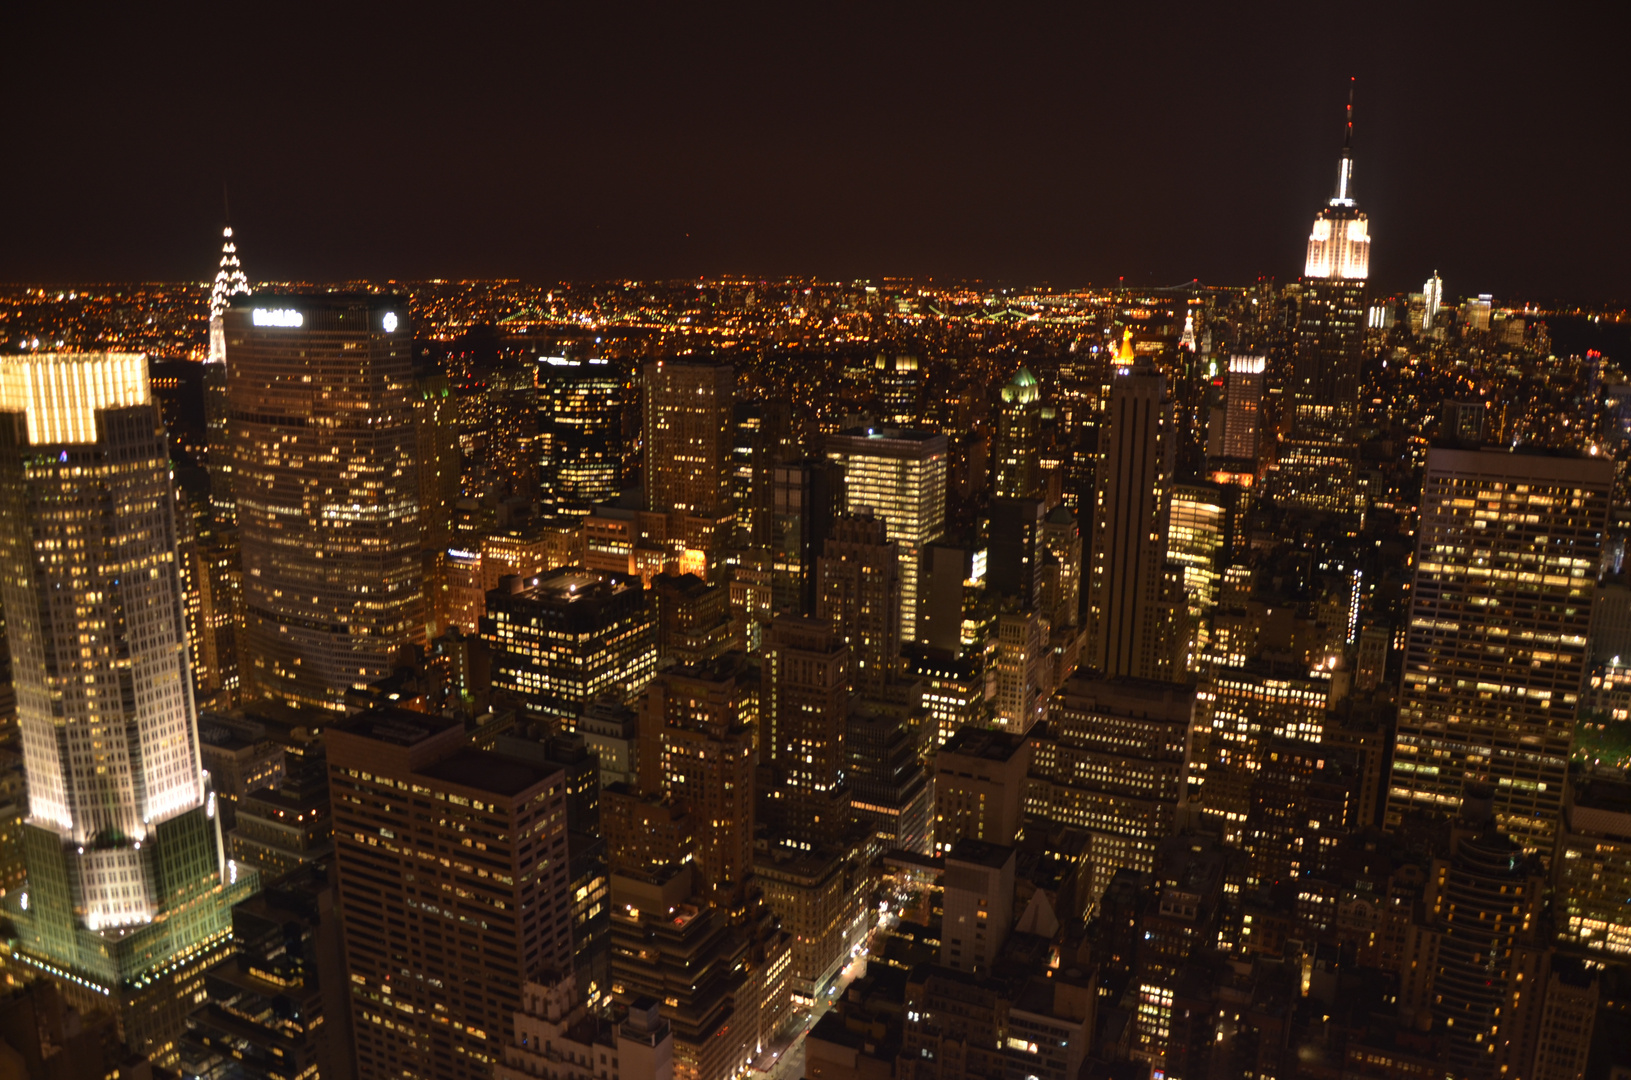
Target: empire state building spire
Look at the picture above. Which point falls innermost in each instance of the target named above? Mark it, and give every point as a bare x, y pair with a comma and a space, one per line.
229, 282
1339, 246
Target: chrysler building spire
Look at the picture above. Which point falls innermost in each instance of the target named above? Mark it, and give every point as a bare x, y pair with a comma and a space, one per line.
229, 282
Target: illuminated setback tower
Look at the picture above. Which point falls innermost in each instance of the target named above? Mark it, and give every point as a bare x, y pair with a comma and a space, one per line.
229, 282
1318, 464
320, 389
128, 897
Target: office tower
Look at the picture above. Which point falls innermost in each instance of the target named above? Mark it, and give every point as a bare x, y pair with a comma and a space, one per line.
565, 638
1239, 711
288, 828
580, 440
1306, 798
805, 497
1237, 440
1111, 761
1059, 550
1013, 466
901, 477
1506, 566
688, 409
611, 730
1013, 556
129, 896
281, 1006
979, 787
324, 447
1593, 869
440, 948
229, 282
1475, 312
1432, 295
587, 875
1024, 670
688, 957
979, 904
1318, 461
806, 703
553, 1026
436, 448
893, 795
1197, 538
1129, 629
953, 693
858, 593
898, 380
240, 761
697, 726
693, 619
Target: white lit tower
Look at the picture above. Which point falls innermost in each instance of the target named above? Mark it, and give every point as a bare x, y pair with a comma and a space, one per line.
1318, 462
229, 282
128, 897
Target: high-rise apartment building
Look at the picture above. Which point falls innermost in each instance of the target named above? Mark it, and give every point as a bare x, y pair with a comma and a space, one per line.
1506, 569
858, 592
688, 437
1129, 632
901, 477
129, 895
324, 445
454, 890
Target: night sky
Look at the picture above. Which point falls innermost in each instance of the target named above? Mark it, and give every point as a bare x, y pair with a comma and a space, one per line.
1021, 144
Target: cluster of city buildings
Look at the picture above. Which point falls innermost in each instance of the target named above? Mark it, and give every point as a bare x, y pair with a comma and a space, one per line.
850, 682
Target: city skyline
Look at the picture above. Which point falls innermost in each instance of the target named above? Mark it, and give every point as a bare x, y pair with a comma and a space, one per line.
701, 676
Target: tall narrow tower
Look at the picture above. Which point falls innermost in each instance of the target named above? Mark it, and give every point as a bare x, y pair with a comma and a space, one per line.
1318, 464
1128, 604
128, 896
229, 282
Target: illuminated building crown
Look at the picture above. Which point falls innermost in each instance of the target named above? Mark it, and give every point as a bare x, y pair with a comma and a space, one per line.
229, 282
1339, 246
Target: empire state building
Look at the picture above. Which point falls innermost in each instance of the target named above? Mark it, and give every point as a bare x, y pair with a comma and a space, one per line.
1317, 462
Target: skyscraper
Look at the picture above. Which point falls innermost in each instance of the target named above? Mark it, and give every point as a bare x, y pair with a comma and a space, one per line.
901, 477
1432, 297
454, 890
858, 592
1128, 592
1506, 567
129, 896
1013, 466
580, 444
1318, 462
806, 706
230, 282
323, 436
688, 409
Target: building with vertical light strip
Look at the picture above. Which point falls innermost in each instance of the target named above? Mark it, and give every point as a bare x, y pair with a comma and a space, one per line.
1506, 571
322, 425
901, 477
129, 897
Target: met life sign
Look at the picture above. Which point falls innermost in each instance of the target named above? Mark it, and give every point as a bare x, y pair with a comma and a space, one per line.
290, 319
287, 318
